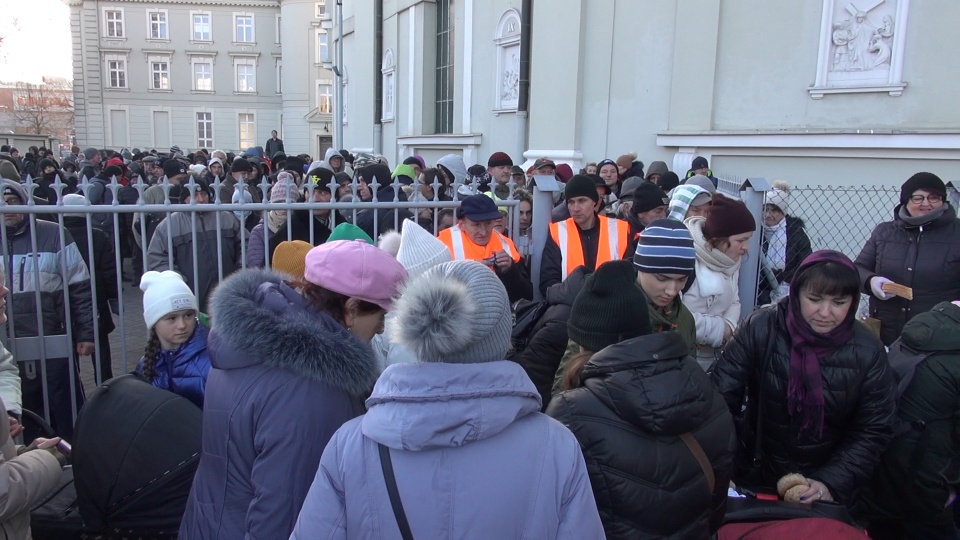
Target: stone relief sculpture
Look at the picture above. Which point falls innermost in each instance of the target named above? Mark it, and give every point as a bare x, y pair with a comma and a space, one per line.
859, 45
510, 82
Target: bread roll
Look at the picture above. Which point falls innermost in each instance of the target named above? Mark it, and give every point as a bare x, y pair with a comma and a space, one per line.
789, 481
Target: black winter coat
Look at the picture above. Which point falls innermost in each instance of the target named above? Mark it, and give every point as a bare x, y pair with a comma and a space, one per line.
637, 397
299, 224
548, 341
914, 478
925, 258
388, 219
858, 392
104, 267
798, 249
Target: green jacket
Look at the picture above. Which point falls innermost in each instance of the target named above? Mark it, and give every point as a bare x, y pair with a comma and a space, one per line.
914, 477
680, 319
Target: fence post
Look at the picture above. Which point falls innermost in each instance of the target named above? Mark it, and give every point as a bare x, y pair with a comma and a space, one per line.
543, 189
752, 193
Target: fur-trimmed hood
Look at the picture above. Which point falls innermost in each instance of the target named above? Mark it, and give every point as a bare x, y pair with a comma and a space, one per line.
259, 319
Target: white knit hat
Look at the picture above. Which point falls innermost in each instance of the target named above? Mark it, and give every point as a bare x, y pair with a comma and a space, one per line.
419, 250
456, 312
164, 292
779, 195
73, 199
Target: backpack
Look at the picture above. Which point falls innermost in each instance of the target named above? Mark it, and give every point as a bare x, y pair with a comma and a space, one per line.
526, 314
904, 362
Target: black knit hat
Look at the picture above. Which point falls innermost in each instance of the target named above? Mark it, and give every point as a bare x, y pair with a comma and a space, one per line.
727, 218
581, 185
646, 197
665, 247
610, 308
668, 181
241, 165
922, 180
295, 164
499, 158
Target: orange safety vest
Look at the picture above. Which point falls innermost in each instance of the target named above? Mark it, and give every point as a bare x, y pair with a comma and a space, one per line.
614, 238
463, 249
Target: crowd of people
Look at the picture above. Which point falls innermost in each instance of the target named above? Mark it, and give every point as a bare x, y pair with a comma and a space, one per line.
360, 372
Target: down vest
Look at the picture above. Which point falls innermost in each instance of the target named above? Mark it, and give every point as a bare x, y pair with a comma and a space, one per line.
858, 393
926, 258
637, 397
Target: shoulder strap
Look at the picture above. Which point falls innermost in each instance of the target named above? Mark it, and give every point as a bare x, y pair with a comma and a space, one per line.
697, 451
387, 465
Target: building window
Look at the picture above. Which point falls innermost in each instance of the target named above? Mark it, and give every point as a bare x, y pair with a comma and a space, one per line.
246, 76
114, 20
319, 9
203, 76
159, 74
244, 28
277, 32
323, 47
443, 122
279, 76
204, 129
248, 130
325, 96
117, 71
202, 29
158, 24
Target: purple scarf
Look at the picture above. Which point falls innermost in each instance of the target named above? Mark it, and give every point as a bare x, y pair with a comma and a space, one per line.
805, 385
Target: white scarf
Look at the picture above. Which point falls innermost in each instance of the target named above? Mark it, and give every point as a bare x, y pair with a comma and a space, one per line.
709, 256
776, 237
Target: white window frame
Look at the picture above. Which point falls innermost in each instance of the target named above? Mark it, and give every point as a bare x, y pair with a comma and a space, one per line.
193, 26
276, 33
322, 38
123, 58
153, 124
109, 127
161, 25
246, 62
197, 61
320, 9
249, 142
107, 21
204, 142
325, 84
151, 71
279, 69
253, 27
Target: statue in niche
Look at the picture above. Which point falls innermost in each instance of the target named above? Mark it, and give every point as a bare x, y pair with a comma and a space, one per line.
859, 45
510, 83
388, 101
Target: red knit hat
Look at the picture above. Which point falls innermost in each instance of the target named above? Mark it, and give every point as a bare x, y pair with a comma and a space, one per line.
727, 218
498, 159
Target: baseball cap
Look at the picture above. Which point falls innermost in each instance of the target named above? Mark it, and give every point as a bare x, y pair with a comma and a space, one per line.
173, 167
544, 162
478, 208
356, 269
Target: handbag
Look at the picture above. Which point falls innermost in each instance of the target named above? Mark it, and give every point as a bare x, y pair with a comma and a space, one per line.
387, 465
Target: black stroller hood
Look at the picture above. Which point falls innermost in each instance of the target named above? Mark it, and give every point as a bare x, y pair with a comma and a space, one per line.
135, 452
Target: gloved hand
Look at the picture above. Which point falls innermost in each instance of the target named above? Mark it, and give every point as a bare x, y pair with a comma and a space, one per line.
876, 287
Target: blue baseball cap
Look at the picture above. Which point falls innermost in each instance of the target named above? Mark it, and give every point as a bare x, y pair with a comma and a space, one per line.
478, 208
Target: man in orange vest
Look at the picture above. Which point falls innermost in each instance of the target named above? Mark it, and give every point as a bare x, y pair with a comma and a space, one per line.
585, 238
473, 238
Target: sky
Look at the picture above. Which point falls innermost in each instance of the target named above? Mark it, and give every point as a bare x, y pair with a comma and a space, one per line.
36, 40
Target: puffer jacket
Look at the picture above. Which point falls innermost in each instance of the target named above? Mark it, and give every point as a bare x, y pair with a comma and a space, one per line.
798, 249
176, 228
915, 476
27, 480
858, 394
284, 378
637, 398
472, 458
925, 258
22, 264
183, 370
541, 359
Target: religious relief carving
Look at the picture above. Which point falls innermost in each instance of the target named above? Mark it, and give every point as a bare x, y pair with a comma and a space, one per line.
861, 47
388, 71
507, 42
510, 82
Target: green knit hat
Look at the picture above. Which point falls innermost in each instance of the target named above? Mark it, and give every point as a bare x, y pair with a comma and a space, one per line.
349, 231
610, 308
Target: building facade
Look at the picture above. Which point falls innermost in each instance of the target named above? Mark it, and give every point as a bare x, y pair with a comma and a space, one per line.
820, 92
199, 74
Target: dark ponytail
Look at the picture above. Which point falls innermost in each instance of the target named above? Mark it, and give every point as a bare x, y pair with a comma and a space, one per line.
150, 355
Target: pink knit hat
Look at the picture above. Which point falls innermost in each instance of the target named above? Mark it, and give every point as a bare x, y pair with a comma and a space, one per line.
356, 269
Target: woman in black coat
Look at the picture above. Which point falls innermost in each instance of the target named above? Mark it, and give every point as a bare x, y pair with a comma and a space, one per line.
784, 246
920, 248
657, 439
818, 380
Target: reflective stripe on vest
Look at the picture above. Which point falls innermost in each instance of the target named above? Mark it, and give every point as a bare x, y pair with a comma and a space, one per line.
571, 250
462, 250
456, 238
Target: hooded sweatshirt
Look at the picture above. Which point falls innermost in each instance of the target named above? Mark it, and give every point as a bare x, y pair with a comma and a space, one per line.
473, 458
454, 164
657, 167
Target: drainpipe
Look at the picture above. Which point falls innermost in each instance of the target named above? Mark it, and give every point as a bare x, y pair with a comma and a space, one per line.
338, 90
523, 100
378, 76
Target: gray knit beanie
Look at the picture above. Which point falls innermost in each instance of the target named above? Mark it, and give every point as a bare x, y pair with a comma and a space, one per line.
456, 312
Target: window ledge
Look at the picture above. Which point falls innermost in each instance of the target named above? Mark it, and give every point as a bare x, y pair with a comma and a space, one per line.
201, 42
161, 40
244, 43
498, 112
114, 89
108, 38
159, 91
236, 93
203, 92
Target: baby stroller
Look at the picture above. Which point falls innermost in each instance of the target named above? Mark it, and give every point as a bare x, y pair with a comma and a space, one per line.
136, 449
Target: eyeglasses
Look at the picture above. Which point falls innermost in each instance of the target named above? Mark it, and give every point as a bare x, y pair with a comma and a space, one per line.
932, 199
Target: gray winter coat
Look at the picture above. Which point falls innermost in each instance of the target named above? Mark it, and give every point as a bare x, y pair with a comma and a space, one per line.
285, 377
21, 264
925, 258
472, 455
176, 231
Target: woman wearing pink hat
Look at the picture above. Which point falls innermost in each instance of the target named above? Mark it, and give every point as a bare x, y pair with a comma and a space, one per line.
291, 363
